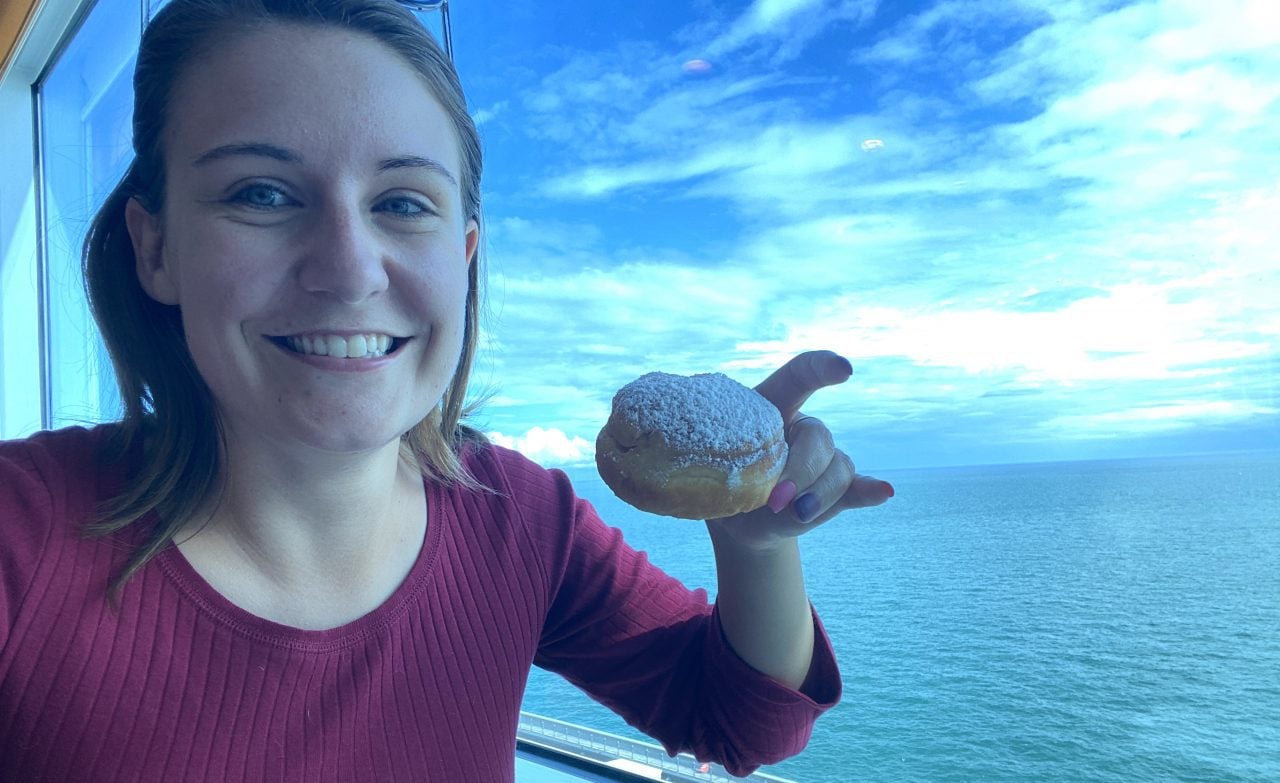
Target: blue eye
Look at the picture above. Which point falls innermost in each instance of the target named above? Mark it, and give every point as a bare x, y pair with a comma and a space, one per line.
401, 206
261, 196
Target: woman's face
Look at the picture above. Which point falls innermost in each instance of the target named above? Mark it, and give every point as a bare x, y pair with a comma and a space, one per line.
313, 237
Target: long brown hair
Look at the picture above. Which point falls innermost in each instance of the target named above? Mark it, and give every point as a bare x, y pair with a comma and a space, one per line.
169, 415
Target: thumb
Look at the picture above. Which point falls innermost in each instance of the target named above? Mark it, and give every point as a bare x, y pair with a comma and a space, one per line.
792, 384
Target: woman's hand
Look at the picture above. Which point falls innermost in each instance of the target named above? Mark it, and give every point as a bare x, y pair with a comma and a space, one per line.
819, 480
764, 609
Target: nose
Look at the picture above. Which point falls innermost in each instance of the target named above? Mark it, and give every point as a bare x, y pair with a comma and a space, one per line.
344, 257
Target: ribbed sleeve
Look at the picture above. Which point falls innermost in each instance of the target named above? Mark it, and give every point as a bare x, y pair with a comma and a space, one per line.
638, 641
180, 684
26, 511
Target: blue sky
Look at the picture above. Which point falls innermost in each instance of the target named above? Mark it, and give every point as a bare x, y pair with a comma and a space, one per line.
1039, 230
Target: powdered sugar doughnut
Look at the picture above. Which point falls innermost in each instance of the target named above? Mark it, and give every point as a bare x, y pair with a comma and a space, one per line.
694, 447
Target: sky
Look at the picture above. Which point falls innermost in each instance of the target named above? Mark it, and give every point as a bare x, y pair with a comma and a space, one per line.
1038, 230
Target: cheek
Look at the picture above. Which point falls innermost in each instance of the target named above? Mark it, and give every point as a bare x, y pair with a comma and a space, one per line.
439, 287
444, 300
218, 269
220, 288
449, 317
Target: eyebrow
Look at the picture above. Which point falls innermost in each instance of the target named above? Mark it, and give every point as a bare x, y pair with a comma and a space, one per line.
417, 162
283, 155
252, 149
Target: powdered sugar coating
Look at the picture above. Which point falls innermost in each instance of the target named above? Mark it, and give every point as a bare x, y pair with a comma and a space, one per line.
702, 415
692, 447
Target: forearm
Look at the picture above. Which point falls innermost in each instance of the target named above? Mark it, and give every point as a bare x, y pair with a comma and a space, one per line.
764, 608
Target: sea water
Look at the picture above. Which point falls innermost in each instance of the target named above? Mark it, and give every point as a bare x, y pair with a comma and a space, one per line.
1085, 621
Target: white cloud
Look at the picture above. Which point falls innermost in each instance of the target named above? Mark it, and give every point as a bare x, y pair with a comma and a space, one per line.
1154, 93
1225, 27
1155, 418
943, 32
488, 114
638, 299
763, 18
1135, 331
755, 162
784, 26
551, 447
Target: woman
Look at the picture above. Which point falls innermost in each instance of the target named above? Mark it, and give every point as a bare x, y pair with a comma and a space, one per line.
301, 565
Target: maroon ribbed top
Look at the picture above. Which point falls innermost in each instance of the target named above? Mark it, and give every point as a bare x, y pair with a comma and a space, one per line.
179, 684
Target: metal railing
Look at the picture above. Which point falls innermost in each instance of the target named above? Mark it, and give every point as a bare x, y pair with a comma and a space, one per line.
601, 747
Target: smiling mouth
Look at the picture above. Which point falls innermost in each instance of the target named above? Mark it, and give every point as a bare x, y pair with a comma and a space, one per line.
360, 346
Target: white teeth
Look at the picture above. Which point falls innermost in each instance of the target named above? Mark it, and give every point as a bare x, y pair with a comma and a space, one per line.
361, 346
337, 346
357, 346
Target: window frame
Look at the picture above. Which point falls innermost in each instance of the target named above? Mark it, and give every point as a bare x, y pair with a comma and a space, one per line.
23, 292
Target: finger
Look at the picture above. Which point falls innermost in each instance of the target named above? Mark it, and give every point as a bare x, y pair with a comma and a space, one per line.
810, 448
827, 489
863, 492
792, 383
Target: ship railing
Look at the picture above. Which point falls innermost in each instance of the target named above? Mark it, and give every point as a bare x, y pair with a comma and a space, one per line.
601, 747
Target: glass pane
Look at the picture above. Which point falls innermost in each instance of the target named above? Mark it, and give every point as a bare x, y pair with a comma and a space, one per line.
1044, 234
20, 387
86, 102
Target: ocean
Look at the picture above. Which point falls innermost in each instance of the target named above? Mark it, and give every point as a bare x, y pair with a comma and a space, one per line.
1110, 621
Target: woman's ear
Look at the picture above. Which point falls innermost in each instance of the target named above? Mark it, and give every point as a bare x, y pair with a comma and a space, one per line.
472, 239
148, 246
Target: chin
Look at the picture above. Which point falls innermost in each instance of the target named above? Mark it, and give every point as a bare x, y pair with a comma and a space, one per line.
333, 426
353, 443
356, 435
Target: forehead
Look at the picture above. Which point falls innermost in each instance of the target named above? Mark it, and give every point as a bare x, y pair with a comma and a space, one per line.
331, 94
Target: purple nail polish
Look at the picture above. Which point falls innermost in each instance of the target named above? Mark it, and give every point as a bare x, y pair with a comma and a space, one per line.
847, 365
806, 507
781, 496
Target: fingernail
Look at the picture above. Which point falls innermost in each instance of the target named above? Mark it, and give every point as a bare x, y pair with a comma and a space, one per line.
846, 364
781, 496
806, 507
888, 488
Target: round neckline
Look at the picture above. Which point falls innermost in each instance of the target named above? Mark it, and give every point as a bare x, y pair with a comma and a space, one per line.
235, 618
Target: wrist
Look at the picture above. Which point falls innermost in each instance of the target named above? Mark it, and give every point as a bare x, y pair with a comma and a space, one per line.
732, 539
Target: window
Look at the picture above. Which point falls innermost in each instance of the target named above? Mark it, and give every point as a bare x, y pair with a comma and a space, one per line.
85, 105
1044, 234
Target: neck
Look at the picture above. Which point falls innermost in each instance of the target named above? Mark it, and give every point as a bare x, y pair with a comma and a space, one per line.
310, 539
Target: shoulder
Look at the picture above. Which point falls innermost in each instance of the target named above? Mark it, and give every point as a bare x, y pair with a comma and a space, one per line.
536, 506
49, 483
518, 479
40, 475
